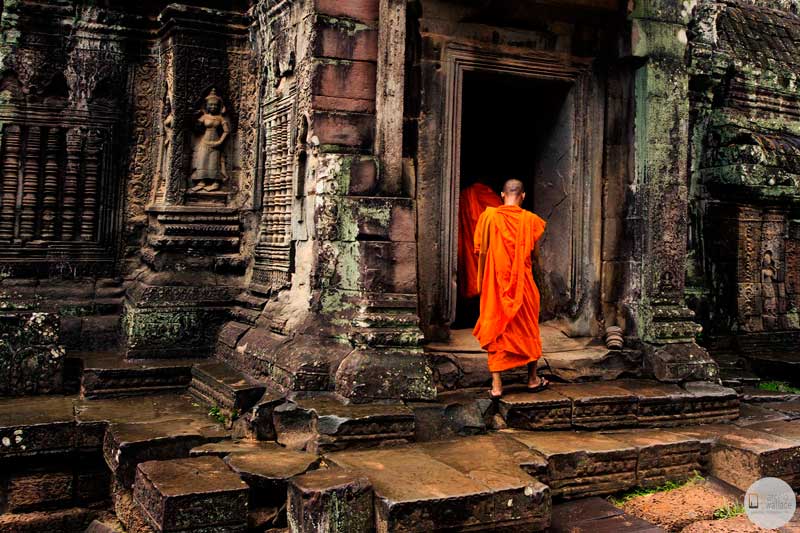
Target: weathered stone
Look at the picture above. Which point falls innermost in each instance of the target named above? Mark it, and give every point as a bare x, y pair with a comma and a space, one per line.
38, 491
678, 362
743, 455
127, 445
750, 414
68, 521
663, 455
597, 405
382, 374
659, 404
107, 375
415, 492
547, 409
267, 471
582, 464
226, 447
31, 358
30, 426
334, 500
190, 494
217, 384
596, 515
711, 403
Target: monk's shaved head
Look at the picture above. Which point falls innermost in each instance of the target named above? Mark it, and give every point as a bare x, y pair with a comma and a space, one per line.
513, 187
513, 192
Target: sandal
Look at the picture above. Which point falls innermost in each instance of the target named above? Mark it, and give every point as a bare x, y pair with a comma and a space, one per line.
494, 397
543, 384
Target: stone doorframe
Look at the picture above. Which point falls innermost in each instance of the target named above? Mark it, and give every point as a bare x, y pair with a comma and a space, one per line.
457, 59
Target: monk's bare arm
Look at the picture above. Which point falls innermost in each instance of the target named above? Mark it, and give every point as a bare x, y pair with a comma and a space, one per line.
536, 261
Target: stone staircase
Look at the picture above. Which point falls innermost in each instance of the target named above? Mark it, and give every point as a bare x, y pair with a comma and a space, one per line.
266, 461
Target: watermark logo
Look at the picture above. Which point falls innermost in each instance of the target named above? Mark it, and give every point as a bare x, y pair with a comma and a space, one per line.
770, 503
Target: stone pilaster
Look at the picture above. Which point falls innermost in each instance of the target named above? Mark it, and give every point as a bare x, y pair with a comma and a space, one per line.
661, 145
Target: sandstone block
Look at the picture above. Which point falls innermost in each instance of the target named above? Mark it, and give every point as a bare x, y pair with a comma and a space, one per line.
332, 500
190, 494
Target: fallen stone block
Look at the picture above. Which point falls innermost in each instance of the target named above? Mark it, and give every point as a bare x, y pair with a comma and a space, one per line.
267, 471
194, 494
331, 500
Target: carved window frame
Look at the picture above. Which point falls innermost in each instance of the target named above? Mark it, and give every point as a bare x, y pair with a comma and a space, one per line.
460, 58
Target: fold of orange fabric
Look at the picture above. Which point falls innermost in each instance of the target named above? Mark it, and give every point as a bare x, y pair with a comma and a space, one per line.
472, 203
508, 327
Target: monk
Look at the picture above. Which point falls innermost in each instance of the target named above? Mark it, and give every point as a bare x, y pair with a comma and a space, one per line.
471, 204
508, 328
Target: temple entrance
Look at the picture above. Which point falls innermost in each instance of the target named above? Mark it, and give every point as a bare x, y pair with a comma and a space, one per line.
520, 127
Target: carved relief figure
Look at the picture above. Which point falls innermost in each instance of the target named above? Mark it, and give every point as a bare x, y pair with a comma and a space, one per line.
208, 159
769, 273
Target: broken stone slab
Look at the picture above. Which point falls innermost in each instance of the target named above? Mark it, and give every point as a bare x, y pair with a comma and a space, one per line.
546, 409
743, 455
109, 375
218, 384
580, 463
36, 425
490, 458
94, 416
193, 494
322, 424
226, 447
415, 492
466, 412
126, 445
104, 526
663, 455
599, 405
334, 500
257, 423
267, 471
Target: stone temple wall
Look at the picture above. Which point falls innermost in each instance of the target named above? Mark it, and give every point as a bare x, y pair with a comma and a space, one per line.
744, 175
265, 182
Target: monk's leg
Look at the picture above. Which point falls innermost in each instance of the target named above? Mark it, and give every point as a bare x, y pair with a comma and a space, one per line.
533, 379
497, 384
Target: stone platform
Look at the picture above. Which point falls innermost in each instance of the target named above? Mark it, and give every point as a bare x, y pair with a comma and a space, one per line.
392, 454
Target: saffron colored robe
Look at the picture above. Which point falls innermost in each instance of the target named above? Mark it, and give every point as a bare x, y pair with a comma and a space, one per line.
472, 203
508, 327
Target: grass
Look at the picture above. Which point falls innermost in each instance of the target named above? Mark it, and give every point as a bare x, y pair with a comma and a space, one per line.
732, 510
778, 386
638, 492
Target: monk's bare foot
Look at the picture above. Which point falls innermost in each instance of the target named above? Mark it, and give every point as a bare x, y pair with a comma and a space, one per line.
537, 383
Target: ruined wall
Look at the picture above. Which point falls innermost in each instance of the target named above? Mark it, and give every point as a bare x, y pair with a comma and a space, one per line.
745, 174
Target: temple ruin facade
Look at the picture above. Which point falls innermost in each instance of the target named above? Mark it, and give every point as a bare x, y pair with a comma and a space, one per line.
266, 192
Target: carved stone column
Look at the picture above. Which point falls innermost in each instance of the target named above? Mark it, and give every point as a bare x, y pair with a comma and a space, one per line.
661, 145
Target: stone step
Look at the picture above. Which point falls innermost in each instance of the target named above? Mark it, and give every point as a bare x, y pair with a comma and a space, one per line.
323, 424
472, 484
110, 375
220, 385
192, 494
74, 520
616, 404
315, 502
596, 515
128, 444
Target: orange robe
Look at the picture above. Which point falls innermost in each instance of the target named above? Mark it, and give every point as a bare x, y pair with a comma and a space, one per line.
472, 203
508, 327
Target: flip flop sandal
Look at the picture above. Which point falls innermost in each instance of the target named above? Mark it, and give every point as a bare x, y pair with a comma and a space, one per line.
543, 384
494, 397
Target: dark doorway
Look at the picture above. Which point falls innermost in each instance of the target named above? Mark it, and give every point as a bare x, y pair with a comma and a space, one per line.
516, 127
